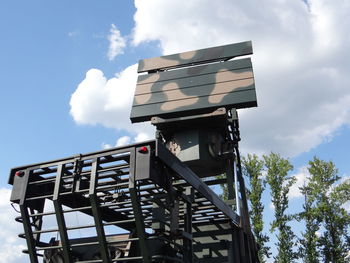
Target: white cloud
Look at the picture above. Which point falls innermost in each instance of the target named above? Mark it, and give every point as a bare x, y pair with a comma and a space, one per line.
99, 100
11, 246
106, 146
123, 141
301, 61
301, 177
142, 137
116, 43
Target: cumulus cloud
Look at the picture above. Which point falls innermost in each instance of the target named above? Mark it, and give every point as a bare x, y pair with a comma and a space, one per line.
99, 100
300, 61
116, 43
124, 140
106, 146
301, 179
11, 246
142, 137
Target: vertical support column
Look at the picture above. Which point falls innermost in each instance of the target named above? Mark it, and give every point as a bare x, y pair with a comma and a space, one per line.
31, 243
230, 182
158, 215
237, 189
236, 248
245, 213
96, 212
244, 246
188, 243
135, 201
60, 216
174, 216
249, 239
37, 221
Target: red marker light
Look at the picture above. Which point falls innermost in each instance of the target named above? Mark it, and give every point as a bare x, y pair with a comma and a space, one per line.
143, 149
19, 173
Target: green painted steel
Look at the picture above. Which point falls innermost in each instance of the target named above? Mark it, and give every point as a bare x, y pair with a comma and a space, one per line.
195, 105
152, 201
167, 92
196, 56
194, 71
60, 216
135, 201
195, 88
95, 207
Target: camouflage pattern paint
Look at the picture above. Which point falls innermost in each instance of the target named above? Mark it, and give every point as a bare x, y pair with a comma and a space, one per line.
178, 85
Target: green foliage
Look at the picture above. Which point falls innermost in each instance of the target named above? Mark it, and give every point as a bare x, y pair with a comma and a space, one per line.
280, 182
327, 223
323, 210
224, 187
252, 169
308, 243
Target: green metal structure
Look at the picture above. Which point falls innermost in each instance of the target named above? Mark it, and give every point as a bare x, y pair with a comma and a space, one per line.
153, 201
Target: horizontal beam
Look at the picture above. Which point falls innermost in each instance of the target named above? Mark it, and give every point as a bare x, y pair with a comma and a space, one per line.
194, 57
82, 157
194, 71
239, 97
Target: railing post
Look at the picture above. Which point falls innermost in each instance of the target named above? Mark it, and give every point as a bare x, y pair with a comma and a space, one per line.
188, 241
31, 243
96, 212
60, 216
135, 200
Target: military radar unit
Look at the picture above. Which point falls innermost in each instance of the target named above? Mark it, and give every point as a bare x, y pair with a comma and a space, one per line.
153, 201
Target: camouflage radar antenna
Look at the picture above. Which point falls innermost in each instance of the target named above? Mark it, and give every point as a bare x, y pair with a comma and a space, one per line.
192, 98
152, 201
194, 82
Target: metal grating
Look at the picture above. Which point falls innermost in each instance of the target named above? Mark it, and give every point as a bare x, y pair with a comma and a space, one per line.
122, 217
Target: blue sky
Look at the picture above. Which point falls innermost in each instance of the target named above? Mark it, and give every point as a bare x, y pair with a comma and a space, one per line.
301, 63
46, 50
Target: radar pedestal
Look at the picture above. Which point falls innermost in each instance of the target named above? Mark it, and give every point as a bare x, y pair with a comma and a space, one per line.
198, 141
192, 98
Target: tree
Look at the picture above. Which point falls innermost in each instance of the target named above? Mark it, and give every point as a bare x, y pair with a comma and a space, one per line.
252, 169
308, 243
326, 197
280, 182
224, 187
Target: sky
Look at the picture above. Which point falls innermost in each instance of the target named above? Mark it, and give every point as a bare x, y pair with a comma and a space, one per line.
68, 73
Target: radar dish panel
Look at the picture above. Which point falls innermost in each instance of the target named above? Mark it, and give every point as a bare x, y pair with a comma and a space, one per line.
194, 82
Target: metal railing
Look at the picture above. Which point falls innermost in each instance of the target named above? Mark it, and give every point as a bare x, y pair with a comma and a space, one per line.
143, 204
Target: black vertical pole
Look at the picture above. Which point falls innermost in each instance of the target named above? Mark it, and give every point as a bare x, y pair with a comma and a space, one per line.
188, 243
31, 243
140, 229
60, 216
96, 212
